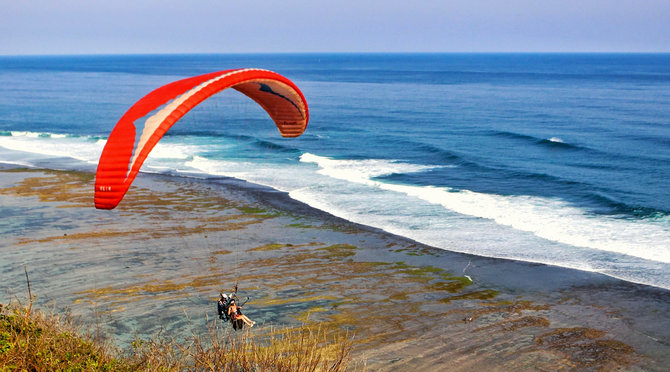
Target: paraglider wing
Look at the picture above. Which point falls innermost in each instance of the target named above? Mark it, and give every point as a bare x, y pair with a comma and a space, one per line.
124, 154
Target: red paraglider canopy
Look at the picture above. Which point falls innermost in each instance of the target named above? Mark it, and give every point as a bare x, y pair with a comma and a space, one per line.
123, 156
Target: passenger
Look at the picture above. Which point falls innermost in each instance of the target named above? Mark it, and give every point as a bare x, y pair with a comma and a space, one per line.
235, 313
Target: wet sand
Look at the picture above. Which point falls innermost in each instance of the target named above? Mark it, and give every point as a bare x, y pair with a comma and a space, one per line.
157, 263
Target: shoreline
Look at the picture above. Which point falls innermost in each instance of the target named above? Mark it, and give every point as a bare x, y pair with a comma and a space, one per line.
282, 201
405, 302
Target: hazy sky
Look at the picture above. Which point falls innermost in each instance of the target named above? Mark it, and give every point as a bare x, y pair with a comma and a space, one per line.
209, 26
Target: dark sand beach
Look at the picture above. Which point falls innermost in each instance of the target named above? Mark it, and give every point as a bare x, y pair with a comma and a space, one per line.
158, 262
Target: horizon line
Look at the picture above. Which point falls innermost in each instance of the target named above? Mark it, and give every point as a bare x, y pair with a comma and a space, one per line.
326, 53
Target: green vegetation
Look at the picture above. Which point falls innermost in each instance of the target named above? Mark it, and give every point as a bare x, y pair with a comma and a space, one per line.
36, 341
339, 250
300, 225
270, 247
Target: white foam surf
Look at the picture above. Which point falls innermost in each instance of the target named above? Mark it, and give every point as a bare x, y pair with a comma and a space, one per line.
48, 145
87, 149
551, 219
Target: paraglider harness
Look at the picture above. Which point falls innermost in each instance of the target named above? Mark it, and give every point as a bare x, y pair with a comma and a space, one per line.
224, 303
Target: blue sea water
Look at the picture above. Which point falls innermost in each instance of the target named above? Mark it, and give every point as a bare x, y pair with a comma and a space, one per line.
562, 159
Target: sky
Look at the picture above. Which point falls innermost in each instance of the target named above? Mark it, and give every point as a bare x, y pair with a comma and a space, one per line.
29, 27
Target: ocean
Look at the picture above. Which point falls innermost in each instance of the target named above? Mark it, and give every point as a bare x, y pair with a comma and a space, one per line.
559, 159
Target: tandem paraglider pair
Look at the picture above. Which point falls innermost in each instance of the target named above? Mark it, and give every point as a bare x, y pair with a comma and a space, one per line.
229, 309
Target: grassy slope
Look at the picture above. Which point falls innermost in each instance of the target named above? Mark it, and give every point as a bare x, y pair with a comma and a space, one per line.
36, 341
